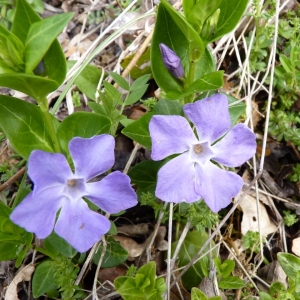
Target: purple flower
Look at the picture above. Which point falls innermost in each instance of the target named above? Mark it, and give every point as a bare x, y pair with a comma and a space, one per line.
171, 61
56, 188
192, 175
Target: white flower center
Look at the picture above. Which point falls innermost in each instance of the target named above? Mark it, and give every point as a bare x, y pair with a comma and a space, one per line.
201, 153
75, 188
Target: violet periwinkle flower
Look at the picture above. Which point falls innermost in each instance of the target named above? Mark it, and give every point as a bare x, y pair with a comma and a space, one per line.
56, 188
171, 61
194, 174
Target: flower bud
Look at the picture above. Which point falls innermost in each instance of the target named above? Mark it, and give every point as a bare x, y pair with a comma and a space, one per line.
171, 61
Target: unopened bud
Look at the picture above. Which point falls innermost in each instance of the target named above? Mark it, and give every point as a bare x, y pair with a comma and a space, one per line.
171, 61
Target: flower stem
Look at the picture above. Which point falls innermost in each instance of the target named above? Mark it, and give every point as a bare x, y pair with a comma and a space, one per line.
49, 124
44, 251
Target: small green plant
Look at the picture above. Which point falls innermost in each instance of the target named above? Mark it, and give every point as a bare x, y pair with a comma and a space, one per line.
289, 218
144, 285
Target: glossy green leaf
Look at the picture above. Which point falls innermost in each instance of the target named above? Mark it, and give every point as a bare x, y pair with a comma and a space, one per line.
24, 126
81, 124
8, 250
114, 256
167, 107
290, 264
23, 18
54, 60
144, 175
205, 65
11, 51
208, 82
231, 282
61, 245
230, 14
139, 131
191, 245
34, 86
174, 31
23, 249
200, 11
44, 278
198, 294
88, 80
235, 110
40, 37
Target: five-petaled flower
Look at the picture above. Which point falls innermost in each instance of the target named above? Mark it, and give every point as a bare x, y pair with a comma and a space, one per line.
57, 188
171, 61
195, 174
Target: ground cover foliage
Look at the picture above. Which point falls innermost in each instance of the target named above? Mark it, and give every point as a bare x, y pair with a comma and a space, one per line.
149, 150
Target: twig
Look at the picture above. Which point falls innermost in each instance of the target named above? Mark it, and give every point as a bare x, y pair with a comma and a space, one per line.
12, 179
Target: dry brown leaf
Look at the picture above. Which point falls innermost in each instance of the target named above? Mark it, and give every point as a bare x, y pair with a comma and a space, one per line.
250, 218
272, 272
23, 274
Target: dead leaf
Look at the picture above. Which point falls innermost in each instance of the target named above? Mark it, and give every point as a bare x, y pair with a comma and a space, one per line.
23, 274
250, 218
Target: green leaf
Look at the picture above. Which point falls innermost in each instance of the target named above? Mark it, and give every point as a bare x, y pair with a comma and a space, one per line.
264, 296
81, 124
147, 282
198, 294
23, 18
208, 82
286, 63
24, 125
61, 245
139, 131
191, 245
174, 31
44, 278
290, 264
125, 286
23, 249
114, 256
144, 175
167, 107
225, 268
120, 81
136, 95
140, 82
11, 51
40, 37
231, 282
54, 60
230, 14
34, 86
200, 11
235, 110
8, 250
88, 80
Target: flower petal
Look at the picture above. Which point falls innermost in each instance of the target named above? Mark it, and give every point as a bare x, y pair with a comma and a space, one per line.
210, 116
237, 146
170, 135
48, 169
37, 213
80, 226
176, 182
92, 156
113, 193
216, 186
